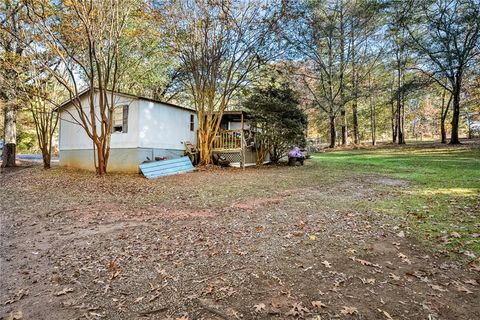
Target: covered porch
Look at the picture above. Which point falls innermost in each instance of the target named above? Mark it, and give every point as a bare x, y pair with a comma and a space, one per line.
235, 140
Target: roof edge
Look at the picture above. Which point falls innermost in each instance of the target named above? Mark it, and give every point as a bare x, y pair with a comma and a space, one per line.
85, 91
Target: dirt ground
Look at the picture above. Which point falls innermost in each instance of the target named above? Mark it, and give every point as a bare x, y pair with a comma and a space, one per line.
272, 243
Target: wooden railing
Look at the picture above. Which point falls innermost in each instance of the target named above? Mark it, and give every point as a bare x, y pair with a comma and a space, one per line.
228, 140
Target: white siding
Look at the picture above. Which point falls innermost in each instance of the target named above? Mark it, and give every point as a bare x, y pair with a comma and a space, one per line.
237, 125
74, 137
163, 126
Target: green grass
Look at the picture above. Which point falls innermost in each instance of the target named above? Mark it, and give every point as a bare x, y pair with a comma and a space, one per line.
442, 196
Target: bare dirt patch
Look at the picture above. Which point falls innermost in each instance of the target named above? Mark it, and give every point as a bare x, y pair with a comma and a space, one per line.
252, 204
219, 244
388, 181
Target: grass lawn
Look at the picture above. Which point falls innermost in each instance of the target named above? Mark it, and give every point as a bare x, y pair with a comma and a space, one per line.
442, 202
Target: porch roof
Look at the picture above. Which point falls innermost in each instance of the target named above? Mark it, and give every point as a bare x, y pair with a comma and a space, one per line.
235, 115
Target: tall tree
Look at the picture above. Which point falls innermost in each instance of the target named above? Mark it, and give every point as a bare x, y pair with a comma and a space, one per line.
446, 36
219, 44
43, 95
88, 38
365, 21
13, 36
316, 31
397, 36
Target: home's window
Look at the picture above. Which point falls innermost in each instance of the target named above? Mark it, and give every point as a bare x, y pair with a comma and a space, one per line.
192, 122
120, 119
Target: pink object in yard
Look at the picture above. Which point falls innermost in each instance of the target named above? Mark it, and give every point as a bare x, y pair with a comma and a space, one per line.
295, 153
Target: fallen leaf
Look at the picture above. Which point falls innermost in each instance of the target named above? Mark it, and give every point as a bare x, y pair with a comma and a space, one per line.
463, 289
313, 237
401, 234
470, 254
64, 291
445, 239
404, 258
326, 264
209, 289
97, 315
297, 310
386, 314
300, 225
112, 266
455, 234
365, 262
394, 277
473, 282
14, 315
259, 307
438, 288
348, 310
19, 294
368, 281
231, 292
318, 304
474, 264
163, 273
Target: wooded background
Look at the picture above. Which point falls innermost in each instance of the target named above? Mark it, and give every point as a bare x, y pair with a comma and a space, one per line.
363, 70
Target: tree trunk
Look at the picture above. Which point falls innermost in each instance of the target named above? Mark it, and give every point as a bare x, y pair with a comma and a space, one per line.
344, 127
443, 131
400, 116
400, 113
401, 125
46, 159
205, 146
102, 159
275, 154
373, 120
468, 117
10, 143
394, 124
356, 139
456, 117
443, 116
343, 116
333, 132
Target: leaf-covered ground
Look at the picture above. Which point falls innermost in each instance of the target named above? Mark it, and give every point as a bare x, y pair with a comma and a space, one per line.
369, 234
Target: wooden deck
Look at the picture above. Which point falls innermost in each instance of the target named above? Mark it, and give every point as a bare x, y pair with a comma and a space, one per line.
228, 140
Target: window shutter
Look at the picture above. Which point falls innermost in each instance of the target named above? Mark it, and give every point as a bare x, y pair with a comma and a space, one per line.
192, 122
125, 119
